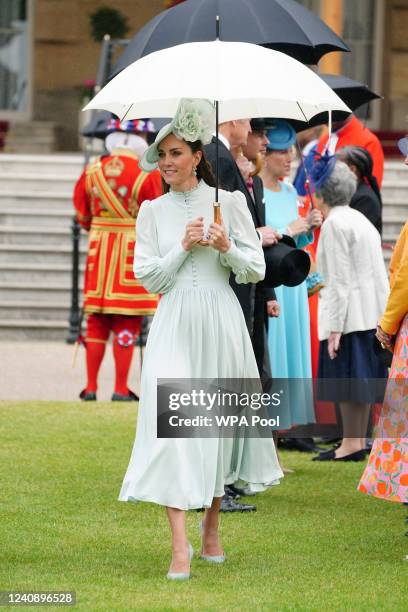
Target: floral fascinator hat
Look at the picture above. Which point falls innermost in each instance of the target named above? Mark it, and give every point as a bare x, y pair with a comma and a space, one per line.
322, 169
194, 120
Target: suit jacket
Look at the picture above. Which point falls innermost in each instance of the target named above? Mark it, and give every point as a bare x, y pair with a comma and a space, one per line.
349, 257
252, 298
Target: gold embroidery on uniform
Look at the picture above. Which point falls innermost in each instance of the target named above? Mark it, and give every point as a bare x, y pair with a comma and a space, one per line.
133, 202
97, 293
114, 167
119, 310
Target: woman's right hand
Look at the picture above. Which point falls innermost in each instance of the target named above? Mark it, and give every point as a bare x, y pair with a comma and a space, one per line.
386, 340
194, 233
298, 226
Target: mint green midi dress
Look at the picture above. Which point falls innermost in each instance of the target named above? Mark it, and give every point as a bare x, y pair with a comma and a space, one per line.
198, 331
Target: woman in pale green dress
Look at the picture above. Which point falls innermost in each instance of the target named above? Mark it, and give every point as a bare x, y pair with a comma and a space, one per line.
198, 331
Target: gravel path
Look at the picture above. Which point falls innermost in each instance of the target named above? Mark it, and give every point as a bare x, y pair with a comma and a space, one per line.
43, 371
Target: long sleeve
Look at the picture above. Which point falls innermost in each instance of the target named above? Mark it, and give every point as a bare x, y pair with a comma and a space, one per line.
397, 305
81, 203
245, 255
336, 293
157, 274
303, 240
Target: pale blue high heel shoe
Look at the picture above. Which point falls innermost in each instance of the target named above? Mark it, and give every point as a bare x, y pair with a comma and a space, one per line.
210, 558
182, 575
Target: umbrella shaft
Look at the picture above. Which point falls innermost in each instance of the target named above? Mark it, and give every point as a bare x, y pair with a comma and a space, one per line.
217, 162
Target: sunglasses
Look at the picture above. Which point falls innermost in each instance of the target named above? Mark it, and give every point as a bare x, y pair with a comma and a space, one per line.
403, 146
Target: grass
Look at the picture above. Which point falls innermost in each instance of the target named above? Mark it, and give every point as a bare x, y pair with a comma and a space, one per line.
314, 544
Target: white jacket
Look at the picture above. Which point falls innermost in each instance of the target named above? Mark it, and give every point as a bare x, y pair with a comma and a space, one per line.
349, 257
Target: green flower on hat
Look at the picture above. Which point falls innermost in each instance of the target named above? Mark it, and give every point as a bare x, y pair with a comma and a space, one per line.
194, 120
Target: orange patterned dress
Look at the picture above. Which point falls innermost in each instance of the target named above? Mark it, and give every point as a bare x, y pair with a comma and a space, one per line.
386, 474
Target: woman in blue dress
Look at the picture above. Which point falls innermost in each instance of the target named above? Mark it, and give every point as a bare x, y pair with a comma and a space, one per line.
289, 334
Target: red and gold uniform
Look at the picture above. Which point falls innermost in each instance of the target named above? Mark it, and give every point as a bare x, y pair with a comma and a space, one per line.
107, 198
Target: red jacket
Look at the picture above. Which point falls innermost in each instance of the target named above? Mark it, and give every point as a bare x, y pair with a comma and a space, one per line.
107, 198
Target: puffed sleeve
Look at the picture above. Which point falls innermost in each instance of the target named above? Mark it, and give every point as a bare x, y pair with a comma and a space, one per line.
245, 256
157, 274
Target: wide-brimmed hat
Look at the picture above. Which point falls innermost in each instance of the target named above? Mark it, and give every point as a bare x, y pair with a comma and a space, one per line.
194, 120
285, 264
280, 134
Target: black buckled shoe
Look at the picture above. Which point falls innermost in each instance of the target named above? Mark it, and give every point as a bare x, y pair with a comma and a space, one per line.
231, 492
331, 456
87, 396
229, 505
304, 445
130, 397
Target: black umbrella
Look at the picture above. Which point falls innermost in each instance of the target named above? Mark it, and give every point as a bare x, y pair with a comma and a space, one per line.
97, 126
353, 93
284, 25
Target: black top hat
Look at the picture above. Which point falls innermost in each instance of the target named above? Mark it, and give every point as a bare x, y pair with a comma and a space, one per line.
258, 124
285, 264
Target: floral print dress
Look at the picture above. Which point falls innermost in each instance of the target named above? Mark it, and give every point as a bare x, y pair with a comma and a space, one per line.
386, 475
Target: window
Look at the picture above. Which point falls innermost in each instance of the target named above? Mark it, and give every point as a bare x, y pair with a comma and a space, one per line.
358, 33
13, 55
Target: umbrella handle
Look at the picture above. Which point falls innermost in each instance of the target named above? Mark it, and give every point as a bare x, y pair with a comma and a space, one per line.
217, 219
217, 213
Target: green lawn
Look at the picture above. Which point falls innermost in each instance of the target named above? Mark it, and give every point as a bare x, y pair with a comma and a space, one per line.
314, 544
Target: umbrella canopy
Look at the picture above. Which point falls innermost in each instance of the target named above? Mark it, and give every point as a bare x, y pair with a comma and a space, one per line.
280, 86
353, 93
284, 25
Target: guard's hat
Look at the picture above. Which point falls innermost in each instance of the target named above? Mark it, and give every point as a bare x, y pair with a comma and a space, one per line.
131, 126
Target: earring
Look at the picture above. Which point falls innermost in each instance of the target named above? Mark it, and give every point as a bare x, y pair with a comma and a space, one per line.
195, 170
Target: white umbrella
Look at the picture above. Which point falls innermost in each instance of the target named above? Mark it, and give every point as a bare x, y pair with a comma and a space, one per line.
247, 80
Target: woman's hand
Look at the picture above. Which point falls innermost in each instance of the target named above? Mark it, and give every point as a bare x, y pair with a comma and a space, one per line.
333, 344
217, 238
386, 340
273, 308
194, 233
314, 218
298, 226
